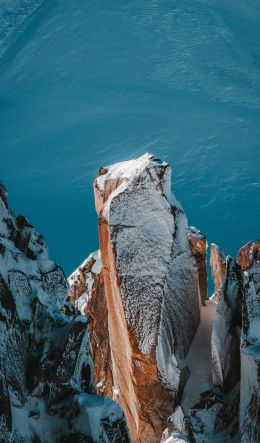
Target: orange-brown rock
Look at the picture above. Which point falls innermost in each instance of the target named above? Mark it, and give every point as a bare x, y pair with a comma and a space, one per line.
137, 387
88, 295
198, 244
218, 270
248, 254
151, 291
99, 343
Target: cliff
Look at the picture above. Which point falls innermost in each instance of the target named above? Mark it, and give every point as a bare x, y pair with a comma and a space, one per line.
228, 408
145, 303
47, 391
152, 290
133, 324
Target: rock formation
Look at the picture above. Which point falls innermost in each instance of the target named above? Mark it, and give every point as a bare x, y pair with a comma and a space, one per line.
249, 260
128, 326
218, 269
147, 295
248, 257
198, 244
151, 291
88, 295
47, 389
227, 329
230, 410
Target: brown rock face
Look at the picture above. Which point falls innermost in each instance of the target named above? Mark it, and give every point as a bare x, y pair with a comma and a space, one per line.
198, 245
151, 292
99, 343
88, 295
218, 269
249, 255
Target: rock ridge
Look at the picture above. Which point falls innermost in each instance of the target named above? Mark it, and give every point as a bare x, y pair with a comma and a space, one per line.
47, 390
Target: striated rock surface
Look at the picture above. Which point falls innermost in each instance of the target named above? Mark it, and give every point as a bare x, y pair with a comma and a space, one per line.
225, 342
249, 259
198, 244
151, 290
46, 372
87, 293
228, 411
218, 270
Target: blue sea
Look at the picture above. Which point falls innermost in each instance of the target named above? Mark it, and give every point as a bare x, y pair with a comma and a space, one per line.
90, 83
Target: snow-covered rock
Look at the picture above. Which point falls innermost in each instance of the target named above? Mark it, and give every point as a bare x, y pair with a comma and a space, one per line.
151, 290
214, 418
88, 296
249, 259
82, 281
178, 429
47, 392
225, 342
228, 411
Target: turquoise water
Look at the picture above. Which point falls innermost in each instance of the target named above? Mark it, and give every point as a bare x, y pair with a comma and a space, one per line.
90, 83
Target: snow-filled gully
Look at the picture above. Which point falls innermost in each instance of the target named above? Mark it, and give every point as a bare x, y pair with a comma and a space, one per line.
199, 358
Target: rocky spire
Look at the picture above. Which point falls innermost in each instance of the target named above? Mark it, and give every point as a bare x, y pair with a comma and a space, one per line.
151, 290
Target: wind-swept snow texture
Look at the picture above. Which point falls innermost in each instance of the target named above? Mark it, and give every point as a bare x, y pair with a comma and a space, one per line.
148, 229
151, 287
